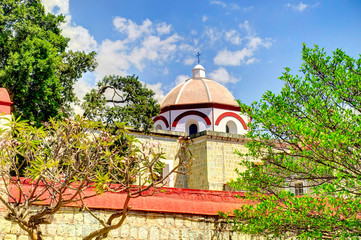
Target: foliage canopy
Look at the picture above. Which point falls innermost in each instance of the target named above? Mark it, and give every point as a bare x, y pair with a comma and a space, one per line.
123, 99
35, 65
309, 133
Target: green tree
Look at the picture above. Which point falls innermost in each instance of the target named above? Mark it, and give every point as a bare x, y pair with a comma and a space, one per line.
123, 99
67, 161
309, 133
35, 65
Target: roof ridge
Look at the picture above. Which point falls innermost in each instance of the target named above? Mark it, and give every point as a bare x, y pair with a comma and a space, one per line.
181, 90
207, 89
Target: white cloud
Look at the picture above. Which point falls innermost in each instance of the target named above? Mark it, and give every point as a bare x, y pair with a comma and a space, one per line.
233, 37
163, 28
243, 56
153, 48
245, 26
141, 44
299, 7
220, 3
189, 61
61, 5
256, 42
213, 34
221, 75
81, 87
245, 37
157, 89
180, 79
250, 61
112, 59
229, 58
131, 29
80, 38
186, 48
204, 18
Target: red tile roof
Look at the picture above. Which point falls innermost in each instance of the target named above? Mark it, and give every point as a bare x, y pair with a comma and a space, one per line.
165, 200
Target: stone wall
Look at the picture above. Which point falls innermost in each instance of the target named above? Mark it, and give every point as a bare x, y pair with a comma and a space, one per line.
168, 144
198, 176
214, 159
71, 224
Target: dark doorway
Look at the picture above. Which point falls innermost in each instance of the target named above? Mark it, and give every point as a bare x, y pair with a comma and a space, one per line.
193, 129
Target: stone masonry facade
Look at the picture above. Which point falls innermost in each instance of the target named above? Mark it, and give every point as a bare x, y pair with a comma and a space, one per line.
214, 157
71, 224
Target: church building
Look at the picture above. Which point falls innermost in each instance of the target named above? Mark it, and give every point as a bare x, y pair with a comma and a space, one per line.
206, 111
173, 213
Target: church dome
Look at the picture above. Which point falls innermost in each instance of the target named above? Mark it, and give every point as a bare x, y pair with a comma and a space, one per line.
200, 104
197, 90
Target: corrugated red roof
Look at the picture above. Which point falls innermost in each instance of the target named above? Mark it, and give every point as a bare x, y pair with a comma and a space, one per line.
165, 200
174, 200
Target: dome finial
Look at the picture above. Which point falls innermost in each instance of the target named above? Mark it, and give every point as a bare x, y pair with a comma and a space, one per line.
198, 55
199, 71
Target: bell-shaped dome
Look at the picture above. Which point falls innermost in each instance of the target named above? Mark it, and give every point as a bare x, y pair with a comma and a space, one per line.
199, 89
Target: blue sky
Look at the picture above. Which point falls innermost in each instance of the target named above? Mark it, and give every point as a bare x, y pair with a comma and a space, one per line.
244, 45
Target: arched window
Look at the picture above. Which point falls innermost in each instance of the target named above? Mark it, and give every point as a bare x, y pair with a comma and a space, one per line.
231, 127
193, 129
158, 127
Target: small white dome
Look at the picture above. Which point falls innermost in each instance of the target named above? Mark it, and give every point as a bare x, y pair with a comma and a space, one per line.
198, 66
199, 71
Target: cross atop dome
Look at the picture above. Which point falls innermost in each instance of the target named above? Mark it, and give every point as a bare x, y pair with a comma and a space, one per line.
198, 55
